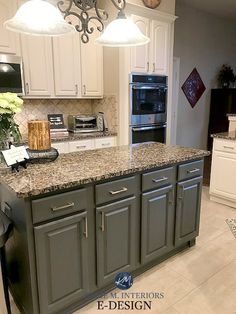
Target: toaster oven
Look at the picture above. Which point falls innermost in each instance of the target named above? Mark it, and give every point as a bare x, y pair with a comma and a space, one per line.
85, 123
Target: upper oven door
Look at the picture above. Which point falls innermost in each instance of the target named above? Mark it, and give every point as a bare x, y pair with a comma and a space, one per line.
146, 100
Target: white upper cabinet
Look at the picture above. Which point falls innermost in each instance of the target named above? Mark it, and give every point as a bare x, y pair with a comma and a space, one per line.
92, 66
153, 57
159, 54
140, 54
9, 41
66, 56
38, 65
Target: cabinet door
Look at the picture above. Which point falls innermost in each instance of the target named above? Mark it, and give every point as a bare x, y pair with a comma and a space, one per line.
61, 256
9, 41
159, 47
116, 239
92, 66
140, 55
188, 210
157, 233
38, 65
67, 71
223, 173
66, 53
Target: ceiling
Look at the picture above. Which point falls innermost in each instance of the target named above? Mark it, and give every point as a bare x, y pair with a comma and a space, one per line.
222, 8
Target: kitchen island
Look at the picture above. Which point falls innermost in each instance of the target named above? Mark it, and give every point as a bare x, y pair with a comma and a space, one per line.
223, 168
90, 215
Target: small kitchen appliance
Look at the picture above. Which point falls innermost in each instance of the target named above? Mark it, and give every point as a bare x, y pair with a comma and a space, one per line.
11, 74
87, 123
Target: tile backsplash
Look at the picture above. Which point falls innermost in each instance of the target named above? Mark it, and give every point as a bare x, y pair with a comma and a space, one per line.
39, 109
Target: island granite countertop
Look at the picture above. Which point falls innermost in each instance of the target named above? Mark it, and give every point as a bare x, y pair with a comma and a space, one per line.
74, 169
225, 136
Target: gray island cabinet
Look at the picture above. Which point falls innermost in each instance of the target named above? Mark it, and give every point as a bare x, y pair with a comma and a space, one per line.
69, 242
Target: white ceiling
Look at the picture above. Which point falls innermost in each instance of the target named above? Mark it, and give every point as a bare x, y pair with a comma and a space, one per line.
222, 8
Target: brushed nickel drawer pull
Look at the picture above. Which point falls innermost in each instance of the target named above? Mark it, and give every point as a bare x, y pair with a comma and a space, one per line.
159, 180
228, 147
154, 67
147, 66
63, 207
103, 222
86, 227
118, 192
193, 170
81, 146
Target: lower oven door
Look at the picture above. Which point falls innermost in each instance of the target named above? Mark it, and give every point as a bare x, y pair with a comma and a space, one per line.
152, 133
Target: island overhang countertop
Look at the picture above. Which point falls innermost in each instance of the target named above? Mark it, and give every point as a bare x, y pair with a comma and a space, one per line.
75, 169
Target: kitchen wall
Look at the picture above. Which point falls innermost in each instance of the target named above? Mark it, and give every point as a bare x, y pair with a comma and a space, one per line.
167, 6
206, 42
40, 108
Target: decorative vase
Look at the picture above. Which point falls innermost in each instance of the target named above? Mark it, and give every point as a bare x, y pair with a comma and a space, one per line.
5, 140
226, 85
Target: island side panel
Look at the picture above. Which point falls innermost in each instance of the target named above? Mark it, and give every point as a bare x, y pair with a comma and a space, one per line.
20, 252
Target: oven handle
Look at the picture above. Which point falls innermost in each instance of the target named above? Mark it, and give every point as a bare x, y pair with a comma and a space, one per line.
157, 87
147, 128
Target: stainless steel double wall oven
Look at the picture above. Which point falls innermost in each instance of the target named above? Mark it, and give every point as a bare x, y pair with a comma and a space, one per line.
148, 101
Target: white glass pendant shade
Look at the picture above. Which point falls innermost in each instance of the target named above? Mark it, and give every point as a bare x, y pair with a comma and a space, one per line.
122, 32
38, 17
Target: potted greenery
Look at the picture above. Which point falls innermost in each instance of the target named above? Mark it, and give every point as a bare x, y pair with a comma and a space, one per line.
226, 76
10, 104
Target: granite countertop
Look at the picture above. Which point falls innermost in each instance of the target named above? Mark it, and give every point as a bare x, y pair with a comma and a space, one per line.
74, 169
225, 135
84, 136
231, 114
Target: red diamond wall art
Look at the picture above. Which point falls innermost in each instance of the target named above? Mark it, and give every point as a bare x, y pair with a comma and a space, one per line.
193, 87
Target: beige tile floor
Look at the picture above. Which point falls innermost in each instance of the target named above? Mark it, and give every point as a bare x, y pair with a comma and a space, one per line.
200, 280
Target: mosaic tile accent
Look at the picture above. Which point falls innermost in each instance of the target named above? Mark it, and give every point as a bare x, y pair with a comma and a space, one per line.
40, 108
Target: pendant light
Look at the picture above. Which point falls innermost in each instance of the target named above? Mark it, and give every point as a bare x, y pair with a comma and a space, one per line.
38, 17
122, 32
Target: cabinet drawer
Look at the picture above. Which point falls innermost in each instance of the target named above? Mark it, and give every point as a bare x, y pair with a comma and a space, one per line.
190, 170
159, 178
58, 205
104, 142
63, 147
77, 146
225, 146
110, 191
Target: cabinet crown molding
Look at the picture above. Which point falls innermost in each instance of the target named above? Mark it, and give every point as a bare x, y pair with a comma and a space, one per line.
150, 13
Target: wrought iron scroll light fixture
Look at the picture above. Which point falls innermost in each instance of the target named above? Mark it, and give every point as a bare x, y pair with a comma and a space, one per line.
40, 17
85, 6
